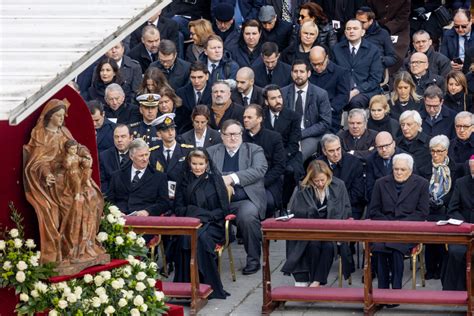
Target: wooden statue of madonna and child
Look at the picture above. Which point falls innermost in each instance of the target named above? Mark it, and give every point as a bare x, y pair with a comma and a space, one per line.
68, 203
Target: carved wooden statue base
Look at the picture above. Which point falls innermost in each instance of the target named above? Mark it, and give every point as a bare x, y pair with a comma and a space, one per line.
74, 268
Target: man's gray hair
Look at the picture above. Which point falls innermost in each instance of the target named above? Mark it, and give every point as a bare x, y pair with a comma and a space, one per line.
114, 87
136, 144
360, 112
411, 114
464, 114
404, 157
440, 140
329, 138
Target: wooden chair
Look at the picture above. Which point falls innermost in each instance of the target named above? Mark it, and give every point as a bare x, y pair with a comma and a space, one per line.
157, 241
221, 248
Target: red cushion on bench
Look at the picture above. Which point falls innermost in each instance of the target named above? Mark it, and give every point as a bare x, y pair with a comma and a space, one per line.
172, 221
91, 270
364, 225
178, 289
292, 293
387, 296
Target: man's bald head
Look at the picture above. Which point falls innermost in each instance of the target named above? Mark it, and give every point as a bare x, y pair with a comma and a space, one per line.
385, 145
318, 58
246, 73
245, 80
418, 63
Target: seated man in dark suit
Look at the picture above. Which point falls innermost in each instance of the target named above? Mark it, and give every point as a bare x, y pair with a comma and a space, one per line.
415, 142
175, 69
169, 156
347, 168
379, 163
269, 69
287, 122
437, 118
462, 146
423, 78
312, 103
274, 151
117, 110
332, 78
104, 128
219, 62
222, 107
358, 140
402, 196
115, 157
130, 69
459, 39
243, 166
247, 92
138, 189
202, 135
362, 59
146, 52
223, 23
198, 91
460, 207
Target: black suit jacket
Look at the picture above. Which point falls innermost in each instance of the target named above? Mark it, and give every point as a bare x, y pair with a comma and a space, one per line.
125, 114
361, 146
212, 137
443, 124
109, 162
419, 149
281, 74
105, 135
461, 205
140, 54
350, 170
178, 76
150, 193
289, 127
256, 97
183, 113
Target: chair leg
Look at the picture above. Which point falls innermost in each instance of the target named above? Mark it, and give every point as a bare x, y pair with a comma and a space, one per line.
219, 261
163, 258
422, 267
413, 271
231, 261
340, 272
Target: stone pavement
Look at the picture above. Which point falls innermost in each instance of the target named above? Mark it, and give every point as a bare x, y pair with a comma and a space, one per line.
247, 295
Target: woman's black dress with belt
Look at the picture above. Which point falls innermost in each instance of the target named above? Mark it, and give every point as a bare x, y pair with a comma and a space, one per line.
204, 197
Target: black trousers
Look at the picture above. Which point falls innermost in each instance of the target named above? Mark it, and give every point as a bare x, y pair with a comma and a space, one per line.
320, 255
453, 276
434, 257
389, 268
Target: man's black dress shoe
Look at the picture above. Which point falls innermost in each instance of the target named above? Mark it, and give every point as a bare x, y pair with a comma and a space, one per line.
251, 269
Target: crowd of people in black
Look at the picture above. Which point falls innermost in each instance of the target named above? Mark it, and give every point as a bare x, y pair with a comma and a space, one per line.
327, 109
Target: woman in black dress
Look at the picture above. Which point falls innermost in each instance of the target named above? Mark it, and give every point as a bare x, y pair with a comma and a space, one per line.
404, 96
319, 196
457, 97
201, 194
107, 72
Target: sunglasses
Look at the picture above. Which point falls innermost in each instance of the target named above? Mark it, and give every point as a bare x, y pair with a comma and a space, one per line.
461, 26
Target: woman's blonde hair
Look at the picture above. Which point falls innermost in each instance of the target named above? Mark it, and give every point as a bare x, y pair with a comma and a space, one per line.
202, 29
315, 167
380, 99
404, 76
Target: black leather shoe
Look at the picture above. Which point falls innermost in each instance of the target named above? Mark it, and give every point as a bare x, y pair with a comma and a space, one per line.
251, 269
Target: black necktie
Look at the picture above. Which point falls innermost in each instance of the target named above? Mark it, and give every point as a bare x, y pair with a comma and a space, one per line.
386, 163
168, 155
299, 103
275, 119
246, 101
198, 97
353, 52
122, 159
136, 177
270, 75
213, 66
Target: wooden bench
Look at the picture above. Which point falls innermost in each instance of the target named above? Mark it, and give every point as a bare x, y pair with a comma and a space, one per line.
364, 231
156, 225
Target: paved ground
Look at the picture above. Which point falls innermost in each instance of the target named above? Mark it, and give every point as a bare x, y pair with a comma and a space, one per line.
246, 292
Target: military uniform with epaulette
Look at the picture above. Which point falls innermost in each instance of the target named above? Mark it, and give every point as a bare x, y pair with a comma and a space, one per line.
171, 166
141, 129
